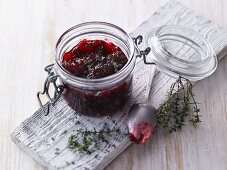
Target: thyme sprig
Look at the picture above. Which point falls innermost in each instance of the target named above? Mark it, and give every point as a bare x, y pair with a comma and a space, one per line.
84, 140
179, 106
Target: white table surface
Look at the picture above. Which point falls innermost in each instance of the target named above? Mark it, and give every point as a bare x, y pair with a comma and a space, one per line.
29, 30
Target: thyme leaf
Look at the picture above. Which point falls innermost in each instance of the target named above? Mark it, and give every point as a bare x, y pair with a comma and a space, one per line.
115, 65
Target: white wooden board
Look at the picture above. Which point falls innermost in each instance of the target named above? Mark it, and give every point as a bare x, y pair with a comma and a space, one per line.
39, 136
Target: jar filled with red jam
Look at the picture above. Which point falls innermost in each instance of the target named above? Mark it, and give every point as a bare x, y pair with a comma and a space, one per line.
95, 62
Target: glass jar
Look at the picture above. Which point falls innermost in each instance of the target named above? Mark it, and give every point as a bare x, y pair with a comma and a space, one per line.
100, 96
164, 47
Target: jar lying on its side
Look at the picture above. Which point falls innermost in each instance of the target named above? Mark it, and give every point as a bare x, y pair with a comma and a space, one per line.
98, 96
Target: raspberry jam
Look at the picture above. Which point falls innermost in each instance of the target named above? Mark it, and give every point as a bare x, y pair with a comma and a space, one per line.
94, 59
140, 132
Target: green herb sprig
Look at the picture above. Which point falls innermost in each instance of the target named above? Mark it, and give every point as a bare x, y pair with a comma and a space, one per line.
83, 140
179, 106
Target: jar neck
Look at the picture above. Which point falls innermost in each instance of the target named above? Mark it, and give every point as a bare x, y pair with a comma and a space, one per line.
92, 31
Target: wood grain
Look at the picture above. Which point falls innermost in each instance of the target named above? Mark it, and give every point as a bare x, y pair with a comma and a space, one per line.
29, 30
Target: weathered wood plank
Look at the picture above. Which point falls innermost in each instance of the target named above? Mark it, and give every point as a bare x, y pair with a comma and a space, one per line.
35, 134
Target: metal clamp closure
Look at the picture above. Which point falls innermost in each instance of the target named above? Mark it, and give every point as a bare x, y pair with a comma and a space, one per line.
142, 53
58, 89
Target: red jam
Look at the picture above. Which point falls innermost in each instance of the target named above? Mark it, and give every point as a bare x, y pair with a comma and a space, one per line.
140, 132
92, 59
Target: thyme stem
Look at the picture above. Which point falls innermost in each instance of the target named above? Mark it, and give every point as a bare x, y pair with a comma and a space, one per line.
180, 104
84, 140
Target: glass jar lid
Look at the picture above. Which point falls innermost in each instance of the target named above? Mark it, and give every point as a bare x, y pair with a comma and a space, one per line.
177, 50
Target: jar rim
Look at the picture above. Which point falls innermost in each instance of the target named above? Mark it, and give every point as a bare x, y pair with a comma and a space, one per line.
94, 83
